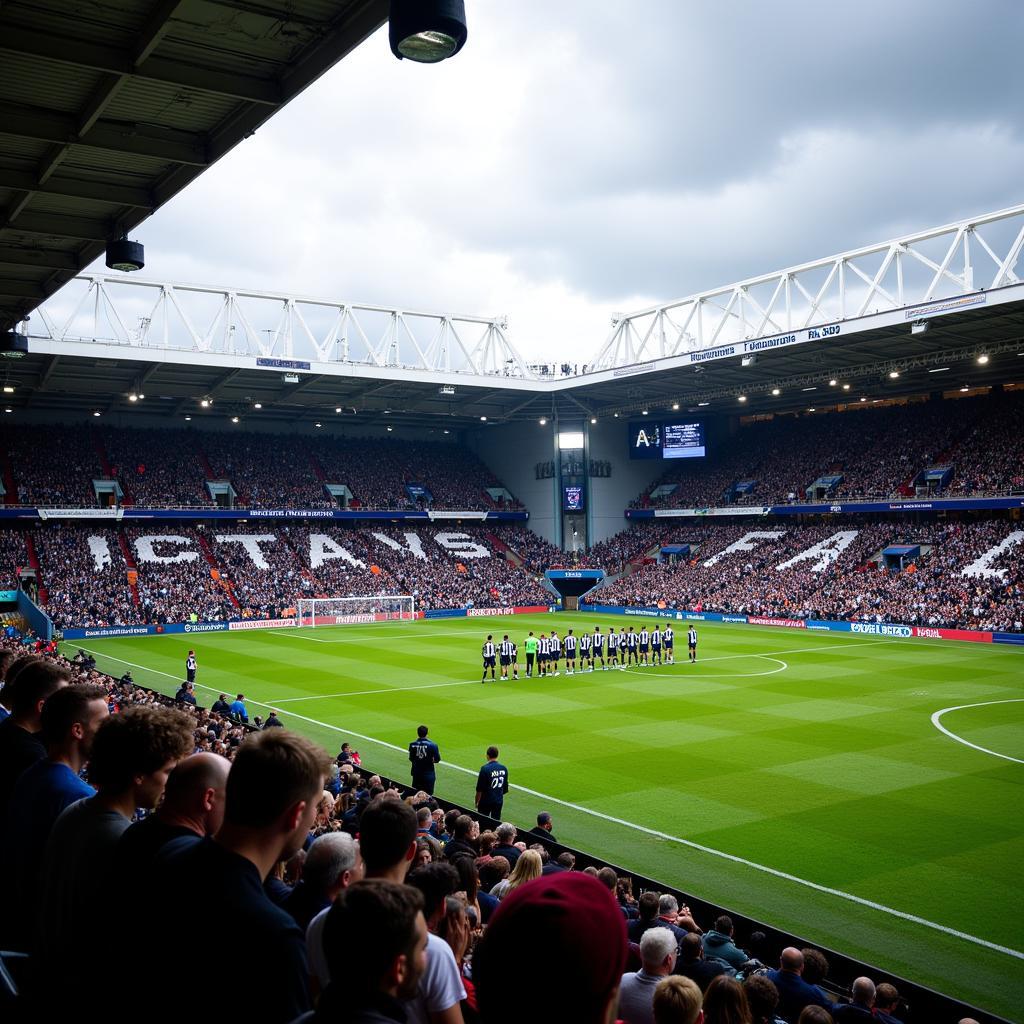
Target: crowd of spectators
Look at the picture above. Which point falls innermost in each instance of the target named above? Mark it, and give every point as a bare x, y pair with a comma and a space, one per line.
933, 590
332, 885
879, 453
157, 468
260, 569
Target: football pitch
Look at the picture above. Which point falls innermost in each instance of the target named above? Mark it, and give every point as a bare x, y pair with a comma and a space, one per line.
863, 792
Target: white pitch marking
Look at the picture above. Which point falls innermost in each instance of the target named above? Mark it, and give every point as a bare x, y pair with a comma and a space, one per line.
774, 872
967, 743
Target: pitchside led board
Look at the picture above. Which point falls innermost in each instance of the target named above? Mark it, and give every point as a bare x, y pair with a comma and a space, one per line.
666, 439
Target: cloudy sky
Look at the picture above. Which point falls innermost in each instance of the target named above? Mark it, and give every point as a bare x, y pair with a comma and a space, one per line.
580, 158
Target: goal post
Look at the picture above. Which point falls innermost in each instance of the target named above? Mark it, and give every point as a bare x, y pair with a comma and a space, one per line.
349, 611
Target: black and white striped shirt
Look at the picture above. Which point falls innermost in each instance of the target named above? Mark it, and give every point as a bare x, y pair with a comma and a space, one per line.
556, 644
644, 637
488, 649
598, 641
545, 645
506, 648
613, 641
570, 645
585, 641
691, 635
656, 637
667, 635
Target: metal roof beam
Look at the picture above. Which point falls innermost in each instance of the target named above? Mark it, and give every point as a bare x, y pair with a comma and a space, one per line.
58, 225
80, 53
45, 258
77, 188
44, 125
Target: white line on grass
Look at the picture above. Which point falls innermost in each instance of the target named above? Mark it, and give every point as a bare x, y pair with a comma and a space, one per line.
699, 847
967, 743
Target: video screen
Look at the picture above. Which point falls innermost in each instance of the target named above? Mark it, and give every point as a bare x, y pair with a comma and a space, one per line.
572, 499
667, 439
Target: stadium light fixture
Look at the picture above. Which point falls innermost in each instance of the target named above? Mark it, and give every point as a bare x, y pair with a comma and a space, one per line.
863, 399
939, 369
8, 389
643, 412
615, 414
893, 374
206, 402
257, 405
812, 409
337, 408
446, 431
964, 389
675, 407
389, 429
846, 387
188, 419
234, 419
8, 409
919, 327
983, 359
13, 345
427, 31
543, 421
593, 420
317, 424
702, 404
133, 397
809, 389
96, 412
833, 382
776, 392
743, 398
483, 419
125, 256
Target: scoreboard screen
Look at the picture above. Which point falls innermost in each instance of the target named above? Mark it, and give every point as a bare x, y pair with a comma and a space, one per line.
667, 439
572, 499
682, 441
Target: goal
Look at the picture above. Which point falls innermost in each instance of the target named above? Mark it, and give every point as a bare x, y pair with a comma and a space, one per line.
347, 611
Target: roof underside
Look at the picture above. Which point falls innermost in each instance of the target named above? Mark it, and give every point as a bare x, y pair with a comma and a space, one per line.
109, 108
62, 384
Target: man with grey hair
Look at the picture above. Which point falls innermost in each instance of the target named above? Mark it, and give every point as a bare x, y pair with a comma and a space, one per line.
860, 1009
677, 920
332, 864
658, 951
506, 834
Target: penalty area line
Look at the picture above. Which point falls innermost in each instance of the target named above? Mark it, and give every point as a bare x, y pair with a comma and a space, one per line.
654, 833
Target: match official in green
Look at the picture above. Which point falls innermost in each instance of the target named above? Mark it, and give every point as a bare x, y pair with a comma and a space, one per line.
530, 645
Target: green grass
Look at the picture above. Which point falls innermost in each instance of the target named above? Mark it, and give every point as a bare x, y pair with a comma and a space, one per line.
812, 755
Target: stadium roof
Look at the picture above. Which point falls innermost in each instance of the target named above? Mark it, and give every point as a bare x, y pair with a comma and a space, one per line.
910, 316
108, 109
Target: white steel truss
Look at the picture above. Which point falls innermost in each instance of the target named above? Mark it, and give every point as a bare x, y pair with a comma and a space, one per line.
944, 262
160, 317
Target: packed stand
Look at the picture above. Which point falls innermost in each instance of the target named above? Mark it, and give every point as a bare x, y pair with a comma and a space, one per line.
13, 556
266, 470
157, 468
879, 453
454, 476
53, 466
265, 567
934, 591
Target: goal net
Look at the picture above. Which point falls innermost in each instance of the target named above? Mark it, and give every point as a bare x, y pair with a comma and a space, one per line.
346, 611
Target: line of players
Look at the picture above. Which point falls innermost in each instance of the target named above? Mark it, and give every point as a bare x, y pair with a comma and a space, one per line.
624, 648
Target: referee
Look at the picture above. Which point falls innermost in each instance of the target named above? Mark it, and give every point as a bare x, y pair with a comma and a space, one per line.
530, 646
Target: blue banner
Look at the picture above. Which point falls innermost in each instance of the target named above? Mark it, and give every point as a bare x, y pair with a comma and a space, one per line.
8, 595
445, 613
1008, 638
100, 516
575, 574
835, 507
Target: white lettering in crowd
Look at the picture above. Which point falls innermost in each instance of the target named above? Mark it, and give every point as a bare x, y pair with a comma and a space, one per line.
251, 543
982, 566
826, 551
462, 544
323, 548
415, 547
746, 543
146, 548
100, 552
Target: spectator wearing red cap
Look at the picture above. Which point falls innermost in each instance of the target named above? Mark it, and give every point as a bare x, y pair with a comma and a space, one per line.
557, 943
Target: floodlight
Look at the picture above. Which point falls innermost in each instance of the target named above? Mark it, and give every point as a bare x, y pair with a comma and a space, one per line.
427, 31
125, 256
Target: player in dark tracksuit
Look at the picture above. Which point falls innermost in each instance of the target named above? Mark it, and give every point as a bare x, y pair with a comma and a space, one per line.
423, 754
491, 785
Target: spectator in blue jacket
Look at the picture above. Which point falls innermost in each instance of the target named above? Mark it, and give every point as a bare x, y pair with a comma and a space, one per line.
794, 992
718, 943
